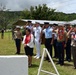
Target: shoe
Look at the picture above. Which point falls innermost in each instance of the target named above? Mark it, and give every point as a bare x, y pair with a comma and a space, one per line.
54, 57
49, 61
37, 57
17, 53
47, 58
61, 64
57, 63
69, 60
29, 65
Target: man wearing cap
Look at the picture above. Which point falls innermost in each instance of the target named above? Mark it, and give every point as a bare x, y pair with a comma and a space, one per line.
18, 38
68, 44
61, 43
29, 25
37, 31
47, 30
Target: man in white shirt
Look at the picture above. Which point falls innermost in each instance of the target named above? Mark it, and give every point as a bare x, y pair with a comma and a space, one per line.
37, 32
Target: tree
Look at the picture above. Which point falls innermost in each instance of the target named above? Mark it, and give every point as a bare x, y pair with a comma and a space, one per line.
26, 14
42, 12
3, 17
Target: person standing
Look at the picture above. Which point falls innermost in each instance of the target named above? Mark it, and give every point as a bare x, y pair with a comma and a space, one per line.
47, 30
29, 25
55, 42
37, 32
2, 33
68, 44
61, 43
18, 39
28, 45
72, 32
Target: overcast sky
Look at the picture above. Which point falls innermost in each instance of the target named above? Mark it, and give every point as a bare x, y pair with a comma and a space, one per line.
66, 6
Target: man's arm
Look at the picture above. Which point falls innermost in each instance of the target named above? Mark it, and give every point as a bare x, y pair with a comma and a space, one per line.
70, 31
41, 34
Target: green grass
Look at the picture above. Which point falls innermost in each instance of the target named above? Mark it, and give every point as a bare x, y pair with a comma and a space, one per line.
7, 47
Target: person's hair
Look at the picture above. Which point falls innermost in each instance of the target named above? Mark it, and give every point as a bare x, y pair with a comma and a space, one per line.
28, 30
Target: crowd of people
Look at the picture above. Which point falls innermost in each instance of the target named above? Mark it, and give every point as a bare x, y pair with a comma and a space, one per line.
59, 36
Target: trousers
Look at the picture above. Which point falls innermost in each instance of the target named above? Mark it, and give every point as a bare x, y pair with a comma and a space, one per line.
60, 50
68, 50
55, 48
18, 45
48, 46
38, 47
74, 55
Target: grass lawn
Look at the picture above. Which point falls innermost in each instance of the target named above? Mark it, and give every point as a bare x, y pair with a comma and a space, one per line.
7, 47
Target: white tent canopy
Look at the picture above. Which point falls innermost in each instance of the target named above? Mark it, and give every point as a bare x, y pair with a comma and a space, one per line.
42, 21
73, 22
23, 22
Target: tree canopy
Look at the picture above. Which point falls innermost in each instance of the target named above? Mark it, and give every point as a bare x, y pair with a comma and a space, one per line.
40, 12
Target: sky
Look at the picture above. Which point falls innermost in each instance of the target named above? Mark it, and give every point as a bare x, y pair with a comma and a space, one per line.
66, 6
